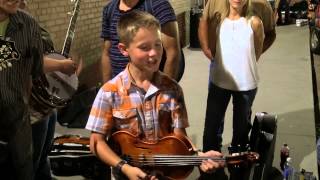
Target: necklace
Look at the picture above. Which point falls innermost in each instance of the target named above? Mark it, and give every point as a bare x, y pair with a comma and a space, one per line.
131, 77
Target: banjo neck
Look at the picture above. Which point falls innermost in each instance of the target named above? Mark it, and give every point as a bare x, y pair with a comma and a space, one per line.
71, 29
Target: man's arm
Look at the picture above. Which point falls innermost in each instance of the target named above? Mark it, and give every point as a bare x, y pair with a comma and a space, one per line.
66, 66
106, 62
171, 44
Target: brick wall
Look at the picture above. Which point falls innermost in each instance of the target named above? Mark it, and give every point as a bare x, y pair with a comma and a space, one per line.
53, 16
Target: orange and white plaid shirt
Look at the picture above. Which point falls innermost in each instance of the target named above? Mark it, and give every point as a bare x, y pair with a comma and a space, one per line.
121, 105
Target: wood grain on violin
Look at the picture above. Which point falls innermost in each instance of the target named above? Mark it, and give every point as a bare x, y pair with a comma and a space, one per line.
172, 156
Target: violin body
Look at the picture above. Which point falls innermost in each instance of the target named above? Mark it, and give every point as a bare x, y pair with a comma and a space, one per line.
172, 157
143, 154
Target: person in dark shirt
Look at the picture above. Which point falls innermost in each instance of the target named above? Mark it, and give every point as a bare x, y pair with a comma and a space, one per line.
25, 62
43, 128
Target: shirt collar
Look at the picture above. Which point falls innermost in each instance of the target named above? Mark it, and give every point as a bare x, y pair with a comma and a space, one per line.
128, 81
16, 22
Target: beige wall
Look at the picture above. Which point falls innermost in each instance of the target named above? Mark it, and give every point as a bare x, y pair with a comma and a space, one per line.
53, 16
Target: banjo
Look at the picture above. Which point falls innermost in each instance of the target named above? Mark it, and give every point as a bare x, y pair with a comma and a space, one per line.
55, 89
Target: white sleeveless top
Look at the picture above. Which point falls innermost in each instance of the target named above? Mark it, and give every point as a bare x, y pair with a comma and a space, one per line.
235, 65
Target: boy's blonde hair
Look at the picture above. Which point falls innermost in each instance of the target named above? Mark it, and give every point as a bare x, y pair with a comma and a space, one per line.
130, 23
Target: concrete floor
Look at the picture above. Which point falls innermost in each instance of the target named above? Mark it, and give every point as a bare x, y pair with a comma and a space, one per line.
285, 89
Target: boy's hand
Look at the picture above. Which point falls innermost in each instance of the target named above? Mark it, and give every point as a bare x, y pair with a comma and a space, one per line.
134, 173
209, 165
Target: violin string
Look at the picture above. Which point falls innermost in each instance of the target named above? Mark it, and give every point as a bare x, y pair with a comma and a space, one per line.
175, 157
154, 163
167, 163
176, 160
182, 161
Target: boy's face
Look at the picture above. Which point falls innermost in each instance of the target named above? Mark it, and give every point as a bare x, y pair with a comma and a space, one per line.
145, 50
9, 6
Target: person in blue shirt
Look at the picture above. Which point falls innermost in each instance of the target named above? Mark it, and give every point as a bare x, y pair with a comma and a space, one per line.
112, 61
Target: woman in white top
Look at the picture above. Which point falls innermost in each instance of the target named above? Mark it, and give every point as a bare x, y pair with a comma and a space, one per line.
238, 47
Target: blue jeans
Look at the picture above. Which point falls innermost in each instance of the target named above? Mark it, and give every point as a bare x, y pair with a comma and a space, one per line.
42, 135
217, 103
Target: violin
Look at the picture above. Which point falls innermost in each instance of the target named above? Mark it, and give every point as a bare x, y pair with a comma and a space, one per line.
70, 138
71, 145
172, 157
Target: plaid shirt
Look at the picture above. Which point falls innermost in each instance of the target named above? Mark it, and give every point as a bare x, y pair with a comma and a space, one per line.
121, 105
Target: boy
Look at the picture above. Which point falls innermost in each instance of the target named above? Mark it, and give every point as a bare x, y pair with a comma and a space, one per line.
139, 99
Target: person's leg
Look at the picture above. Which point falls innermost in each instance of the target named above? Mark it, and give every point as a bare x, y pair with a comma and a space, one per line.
44, 169
217, 103
211, 79
242, 103
20, 147
9, 120
39, 133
